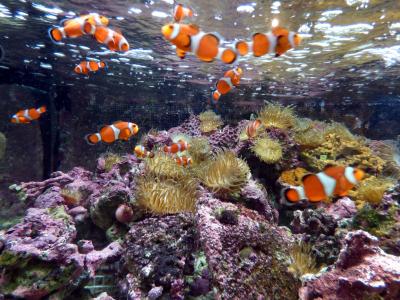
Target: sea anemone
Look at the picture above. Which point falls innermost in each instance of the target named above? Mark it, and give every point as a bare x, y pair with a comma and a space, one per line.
199, 150
111, 159
176, 137
225, 173
209, 121
302, 260
371, 190
310, 138
124, 214
267, 150
164, 166
166, 196
71, 197
278, 116
340, 131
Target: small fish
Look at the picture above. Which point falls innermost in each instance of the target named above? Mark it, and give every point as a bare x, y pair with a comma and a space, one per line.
252, 128
89, 66
114, 40
277, 42
230, 80
189, 38
183, 161
142, 152
108, 134
177, 147
181, 12
72, 28
27, 115
332, 181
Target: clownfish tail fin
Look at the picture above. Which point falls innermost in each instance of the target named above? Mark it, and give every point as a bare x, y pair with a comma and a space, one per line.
91, 139
292, 195
55, 34
42, 109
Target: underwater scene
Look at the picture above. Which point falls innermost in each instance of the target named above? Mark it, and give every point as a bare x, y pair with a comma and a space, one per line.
227, 150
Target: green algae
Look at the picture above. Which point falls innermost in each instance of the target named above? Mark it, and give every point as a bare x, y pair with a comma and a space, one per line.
59, 213
375, 222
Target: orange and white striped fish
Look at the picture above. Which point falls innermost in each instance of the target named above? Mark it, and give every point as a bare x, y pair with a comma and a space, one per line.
332, 181
142, 152
189, 38
252, 128
89, 66
230, 80
27, 115
119, 130
73, 28
114, 40
177, 147
181, 12
183, 161
277, 42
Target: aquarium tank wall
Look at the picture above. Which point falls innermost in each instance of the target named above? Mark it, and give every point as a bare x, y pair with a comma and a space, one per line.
199, 150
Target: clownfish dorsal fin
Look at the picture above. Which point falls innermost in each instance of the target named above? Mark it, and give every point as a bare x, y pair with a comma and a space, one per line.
116, 122
328, 166
65, 21
195, 28
101, 127
306, 177
217, 36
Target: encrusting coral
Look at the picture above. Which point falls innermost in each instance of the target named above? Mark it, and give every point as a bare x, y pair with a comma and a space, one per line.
225, 173
267, 150
209, 121
277, 115
71, 197
166, 196
293, 177
302, 260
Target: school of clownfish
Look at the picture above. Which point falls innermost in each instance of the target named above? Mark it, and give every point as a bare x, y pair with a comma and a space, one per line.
188, 38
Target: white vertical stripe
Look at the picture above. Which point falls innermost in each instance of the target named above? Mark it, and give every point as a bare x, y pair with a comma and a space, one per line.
116, 132
349, 174
26, 114
327, 182
175, 31
228, 81
195, 41
272, 42
291, 39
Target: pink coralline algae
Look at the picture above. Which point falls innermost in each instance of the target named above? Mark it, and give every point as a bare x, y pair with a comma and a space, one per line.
39, 257
341, 209
246, 259
362, 271
190, 127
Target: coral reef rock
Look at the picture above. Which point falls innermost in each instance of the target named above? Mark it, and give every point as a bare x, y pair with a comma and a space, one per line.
249, 259
158, 252
39, 258
362, 271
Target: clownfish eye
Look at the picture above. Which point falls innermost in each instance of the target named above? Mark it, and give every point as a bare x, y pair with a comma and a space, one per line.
171, 27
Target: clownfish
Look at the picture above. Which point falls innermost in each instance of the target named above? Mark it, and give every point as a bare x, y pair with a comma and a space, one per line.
27, 115
177, 147
230, 80
119, 130
89, 66
114, 40
73, 28
277, 42
142, 152
181, 12
332, 181
252, 128
189, 38
183, 161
